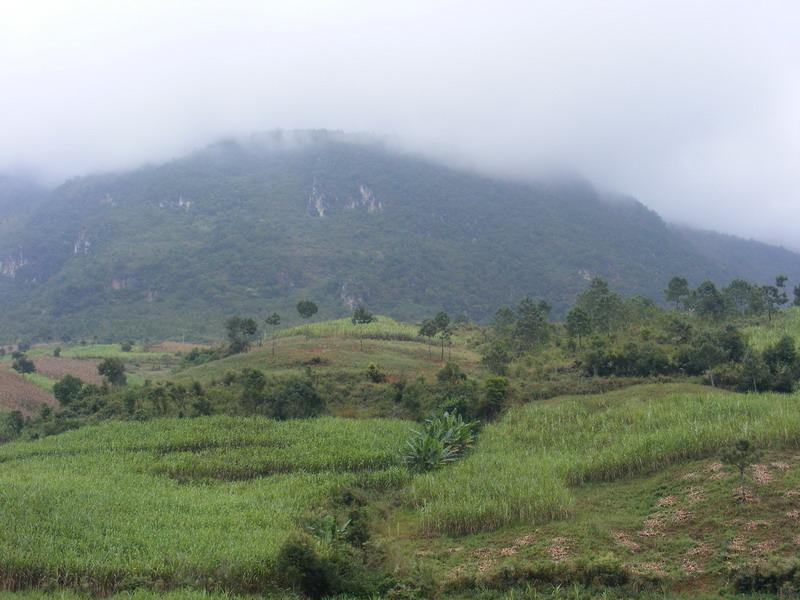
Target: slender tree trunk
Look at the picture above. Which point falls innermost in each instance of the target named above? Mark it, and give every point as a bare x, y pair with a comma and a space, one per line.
273, 344
442, 350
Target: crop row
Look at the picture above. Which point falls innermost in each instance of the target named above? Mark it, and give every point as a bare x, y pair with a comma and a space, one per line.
524, 465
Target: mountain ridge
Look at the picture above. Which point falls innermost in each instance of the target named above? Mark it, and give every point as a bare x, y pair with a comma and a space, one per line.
255, 225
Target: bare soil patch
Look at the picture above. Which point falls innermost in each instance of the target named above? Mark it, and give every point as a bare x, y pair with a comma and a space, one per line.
18, 394
56, 368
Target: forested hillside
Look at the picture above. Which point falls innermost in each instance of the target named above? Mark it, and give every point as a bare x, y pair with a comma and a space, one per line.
19, 196
254, 226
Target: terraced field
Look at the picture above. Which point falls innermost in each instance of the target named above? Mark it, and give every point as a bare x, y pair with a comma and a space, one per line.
526, 463
207, 501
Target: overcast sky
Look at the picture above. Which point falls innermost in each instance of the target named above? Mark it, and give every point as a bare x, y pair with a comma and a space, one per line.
692, 107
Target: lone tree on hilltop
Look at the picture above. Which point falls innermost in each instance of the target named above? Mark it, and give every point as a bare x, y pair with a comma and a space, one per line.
273, 321
361, 316
307, 309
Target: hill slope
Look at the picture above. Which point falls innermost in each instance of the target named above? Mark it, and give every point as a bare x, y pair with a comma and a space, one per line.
255, 226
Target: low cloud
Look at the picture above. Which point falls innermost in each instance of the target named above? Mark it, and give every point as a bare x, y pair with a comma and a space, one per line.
694, 108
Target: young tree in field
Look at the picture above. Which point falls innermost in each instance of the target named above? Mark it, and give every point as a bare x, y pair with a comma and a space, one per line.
240, 332
428, 330
307, 309
442, 323
796, 295
741, 455
578, 324
361, 316
113, 369
677, 291
273, 321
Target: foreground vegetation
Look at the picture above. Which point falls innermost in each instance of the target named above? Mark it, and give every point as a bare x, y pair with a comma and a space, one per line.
525, 458
566, 492
207, 503
534, 454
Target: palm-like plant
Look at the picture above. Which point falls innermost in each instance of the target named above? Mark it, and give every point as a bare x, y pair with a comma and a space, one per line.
441, 441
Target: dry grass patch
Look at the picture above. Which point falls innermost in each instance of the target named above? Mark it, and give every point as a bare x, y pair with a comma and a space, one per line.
558, 550
761, 474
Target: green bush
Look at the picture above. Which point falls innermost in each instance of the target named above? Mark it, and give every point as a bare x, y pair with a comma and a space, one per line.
22, 364
67, 389
495, 394
295, 399
374, 374
775, 576
451, 373
301, 568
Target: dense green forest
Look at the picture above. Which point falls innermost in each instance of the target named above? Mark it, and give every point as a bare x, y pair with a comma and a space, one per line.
256, 225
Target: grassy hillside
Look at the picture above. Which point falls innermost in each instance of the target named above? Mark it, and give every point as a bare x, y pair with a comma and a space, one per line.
208, 501
619, 492
254, 226
785, 323
539, 450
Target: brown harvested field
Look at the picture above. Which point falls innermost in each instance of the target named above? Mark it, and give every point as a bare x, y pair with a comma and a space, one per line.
56, 368
175, 347
18, 394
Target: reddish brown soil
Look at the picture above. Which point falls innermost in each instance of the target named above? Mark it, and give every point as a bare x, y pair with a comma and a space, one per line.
56, 368
18, 394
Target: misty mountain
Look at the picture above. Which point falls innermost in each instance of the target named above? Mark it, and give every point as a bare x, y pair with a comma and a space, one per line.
254, 226
19, 197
